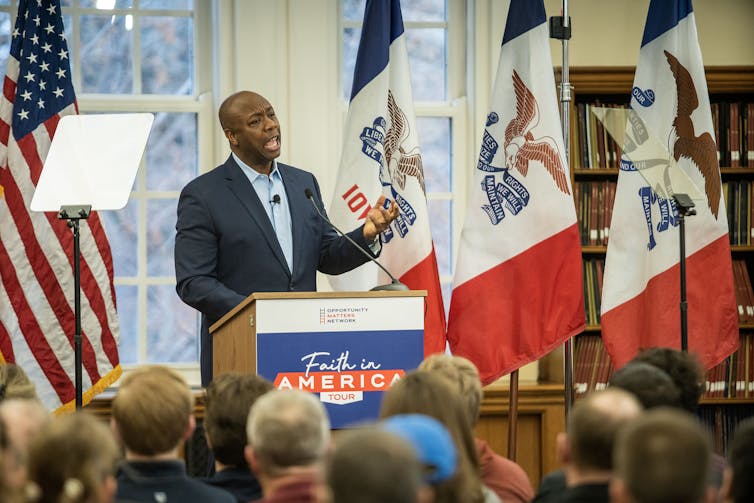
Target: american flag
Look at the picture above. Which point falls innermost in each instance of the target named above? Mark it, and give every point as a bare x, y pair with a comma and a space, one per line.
37, 320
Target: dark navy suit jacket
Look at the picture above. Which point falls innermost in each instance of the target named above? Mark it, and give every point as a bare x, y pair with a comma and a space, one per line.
226, 247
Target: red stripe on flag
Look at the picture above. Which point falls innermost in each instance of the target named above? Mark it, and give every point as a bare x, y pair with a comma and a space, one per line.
653, 319
520, 310
35, 339
423, 276
51, 124
6, 345
28, 147
43, 270
9, 90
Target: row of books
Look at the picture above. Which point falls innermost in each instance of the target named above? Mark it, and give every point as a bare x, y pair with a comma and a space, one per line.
732, 378
734, 134
593, 271
594, 205
596, 148
594, 201
738, 205
721, 421
744, 292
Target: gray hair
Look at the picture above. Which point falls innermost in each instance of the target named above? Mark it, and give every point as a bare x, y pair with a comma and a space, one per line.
288, 428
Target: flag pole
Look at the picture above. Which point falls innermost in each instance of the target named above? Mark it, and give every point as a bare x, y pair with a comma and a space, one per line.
513, 415
560, 28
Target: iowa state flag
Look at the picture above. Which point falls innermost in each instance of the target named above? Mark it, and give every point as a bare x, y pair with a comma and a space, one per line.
641, 295
518, 284
381, 156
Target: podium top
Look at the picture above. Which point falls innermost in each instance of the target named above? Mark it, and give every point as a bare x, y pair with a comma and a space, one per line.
312, 295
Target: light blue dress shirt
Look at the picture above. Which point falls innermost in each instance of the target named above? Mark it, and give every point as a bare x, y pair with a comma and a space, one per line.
267, 187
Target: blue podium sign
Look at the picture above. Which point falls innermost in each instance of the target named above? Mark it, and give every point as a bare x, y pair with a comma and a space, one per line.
347, 350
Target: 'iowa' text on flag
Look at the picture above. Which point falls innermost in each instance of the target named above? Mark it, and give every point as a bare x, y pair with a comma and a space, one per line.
381, 156
36, 249
518, 283
641, 296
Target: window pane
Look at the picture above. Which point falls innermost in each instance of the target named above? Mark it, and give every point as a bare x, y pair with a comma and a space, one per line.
166, 55
440, 217
128, 317
6, 28
106, 59
106, 4
171, 151
167, 4
423, 10
434, 140
172, 327
426, 54
353, 10
121, 227
351, 38
161, 216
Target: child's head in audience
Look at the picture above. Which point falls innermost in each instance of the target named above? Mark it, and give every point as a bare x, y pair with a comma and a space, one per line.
229, 399
73, 460
153, 412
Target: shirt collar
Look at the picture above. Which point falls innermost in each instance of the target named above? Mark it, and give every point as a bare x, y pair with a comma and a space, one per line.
254, 174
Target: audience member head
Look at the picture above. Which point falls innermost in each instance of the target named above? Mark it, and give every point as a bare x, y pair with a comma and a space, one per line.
286, 429
229, 399
738, 485
153, 412
661, 457
683, 368
14, 383
6, 459
73, 460
463, 374
651, 385
23, 419
373, 465
592, 430
424, 392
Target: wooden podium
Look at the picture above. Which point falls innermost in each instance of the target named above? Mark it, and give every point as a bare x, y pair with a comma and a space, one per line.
346, 346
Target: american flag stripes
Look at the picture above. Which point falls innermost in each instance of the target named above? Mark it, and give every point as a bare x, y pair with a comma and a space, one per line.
36, 249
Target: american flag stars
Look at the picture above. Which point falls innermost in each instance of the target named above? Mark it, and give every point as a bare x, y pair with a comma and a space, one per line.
40, 48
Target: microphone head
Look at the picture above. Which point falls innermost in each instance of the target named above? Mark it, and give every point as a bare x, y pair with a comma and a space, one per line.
308, 193
276, 199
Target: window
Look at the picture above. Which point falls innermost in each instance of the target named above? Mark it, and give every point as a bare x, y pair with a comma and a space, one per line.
141, 56
434, 37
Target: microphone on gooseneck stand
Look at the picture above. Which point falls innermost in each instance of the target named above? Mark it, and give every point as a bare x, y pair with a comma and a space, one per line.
394, 285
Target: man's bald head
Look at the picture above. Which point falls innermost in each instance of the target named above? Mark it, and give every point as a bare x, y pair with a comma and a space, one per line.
231, 109
594, 423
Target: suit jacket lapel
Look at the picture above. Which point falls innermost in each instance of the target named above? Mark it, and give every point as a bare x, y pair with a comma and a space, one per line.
240, 186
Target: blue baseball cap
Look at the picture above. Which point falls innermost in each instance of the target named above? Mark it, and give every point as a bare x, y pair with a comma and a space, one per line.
430, 439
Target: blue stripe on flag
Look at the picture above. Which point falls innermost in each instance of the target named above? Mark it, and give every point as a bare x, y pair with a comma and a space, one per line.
383, 23
523, 15
664, 15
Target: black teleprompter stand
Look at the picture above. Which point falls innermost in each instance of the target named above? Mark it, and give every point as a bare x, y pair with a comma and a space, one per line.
74, 213
685, 207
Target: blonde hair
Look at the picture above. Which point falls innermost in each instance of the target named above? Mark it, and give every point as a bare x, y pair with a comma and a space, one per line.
14, 383
70, 460
152, 410
464, 376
